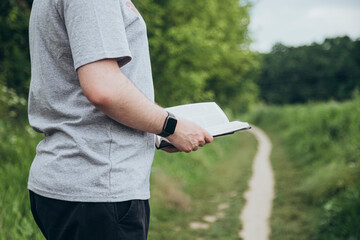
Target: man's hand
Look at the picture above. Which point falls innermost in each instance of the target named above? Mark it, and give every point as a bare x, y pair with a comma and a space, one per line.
188, 137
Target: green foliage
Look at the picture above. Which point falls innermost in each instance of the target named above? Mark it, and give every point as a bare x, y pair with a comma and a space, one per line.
14, 45
17, 150
321, 168
200, 52
318, 72
12, 107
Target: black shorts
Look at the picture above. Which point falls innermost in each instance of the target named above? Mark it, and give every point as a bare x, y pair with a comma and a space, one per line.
63, 220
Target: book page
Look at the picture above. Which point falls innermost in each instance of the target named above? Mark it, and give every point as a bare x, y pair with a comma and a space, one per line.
207, 115
228, 128
204, 114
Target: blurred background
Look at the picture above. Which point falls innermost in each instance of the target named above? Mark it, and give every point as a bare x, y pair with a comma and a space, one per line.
290, 67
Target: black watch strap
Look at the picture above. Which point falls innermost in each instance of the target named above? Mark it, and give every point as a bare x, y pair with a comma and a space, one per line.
169, 125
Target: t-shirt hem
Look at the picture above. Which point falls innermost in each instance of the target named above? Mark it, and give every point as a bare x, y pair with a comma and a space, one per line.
103, 198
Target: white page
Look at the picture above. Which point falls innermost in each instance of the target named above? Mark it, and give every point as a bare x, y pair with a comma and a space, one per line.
206, 114
228, 128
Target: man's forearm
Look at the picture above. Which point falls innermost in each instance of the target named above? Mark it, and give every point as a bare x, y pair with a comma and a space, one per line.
114, 94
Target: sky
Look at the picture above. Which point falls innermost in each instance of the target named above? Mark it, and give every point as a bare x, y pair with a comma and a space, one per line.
301, 22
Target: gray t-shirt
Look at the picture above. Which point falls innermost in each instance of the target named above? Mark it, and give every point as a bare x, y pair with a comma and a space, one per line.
85, 155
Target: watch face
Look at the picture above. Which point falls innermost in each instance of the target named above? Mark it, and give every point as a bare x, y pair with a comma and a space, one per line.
171, 125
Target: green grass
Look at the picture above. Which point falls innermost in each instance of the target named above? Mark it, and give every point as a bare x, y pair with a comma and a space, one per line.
292, 218
216, 174
16, 152
185, 187
316, 160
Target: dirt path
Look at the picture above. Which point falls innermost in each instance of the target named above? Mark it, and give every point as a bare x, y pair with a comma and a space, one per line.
259, 196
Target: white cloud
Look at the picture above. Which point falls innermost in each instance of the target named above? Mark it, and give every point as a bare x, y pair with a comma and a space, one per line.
296, 22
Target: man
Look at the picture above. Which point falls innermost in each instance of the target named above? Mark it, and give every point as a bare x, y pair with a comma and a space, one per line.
91, 94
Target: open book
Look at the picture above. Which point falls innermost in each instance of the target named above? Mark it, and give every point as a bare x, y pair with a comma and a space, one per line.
207, 115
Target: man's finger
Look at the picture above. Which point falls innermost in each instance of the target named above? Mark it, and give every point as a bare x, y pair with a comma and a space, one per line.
202, 143
208, 138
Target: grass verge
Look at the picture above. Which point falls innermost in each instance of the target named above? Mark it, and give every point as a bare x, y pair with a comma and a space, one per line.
292, 218
316, 160
209, 183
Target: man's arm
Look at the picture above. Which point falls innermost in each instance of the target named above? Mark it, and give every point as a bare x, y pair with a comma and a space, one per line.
113, 93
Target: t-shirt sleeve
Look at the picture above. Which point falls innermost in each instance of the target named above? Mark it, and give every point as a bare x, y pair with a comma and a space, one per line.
96, 31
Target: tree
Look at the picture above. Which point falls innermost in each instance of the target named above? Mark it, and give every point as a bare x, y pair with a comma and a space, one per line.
14, 50
330, 70
200, 52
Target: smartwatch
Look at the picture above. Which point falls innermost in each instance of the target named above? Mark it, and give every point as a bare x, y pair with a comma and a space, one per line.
169, 125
